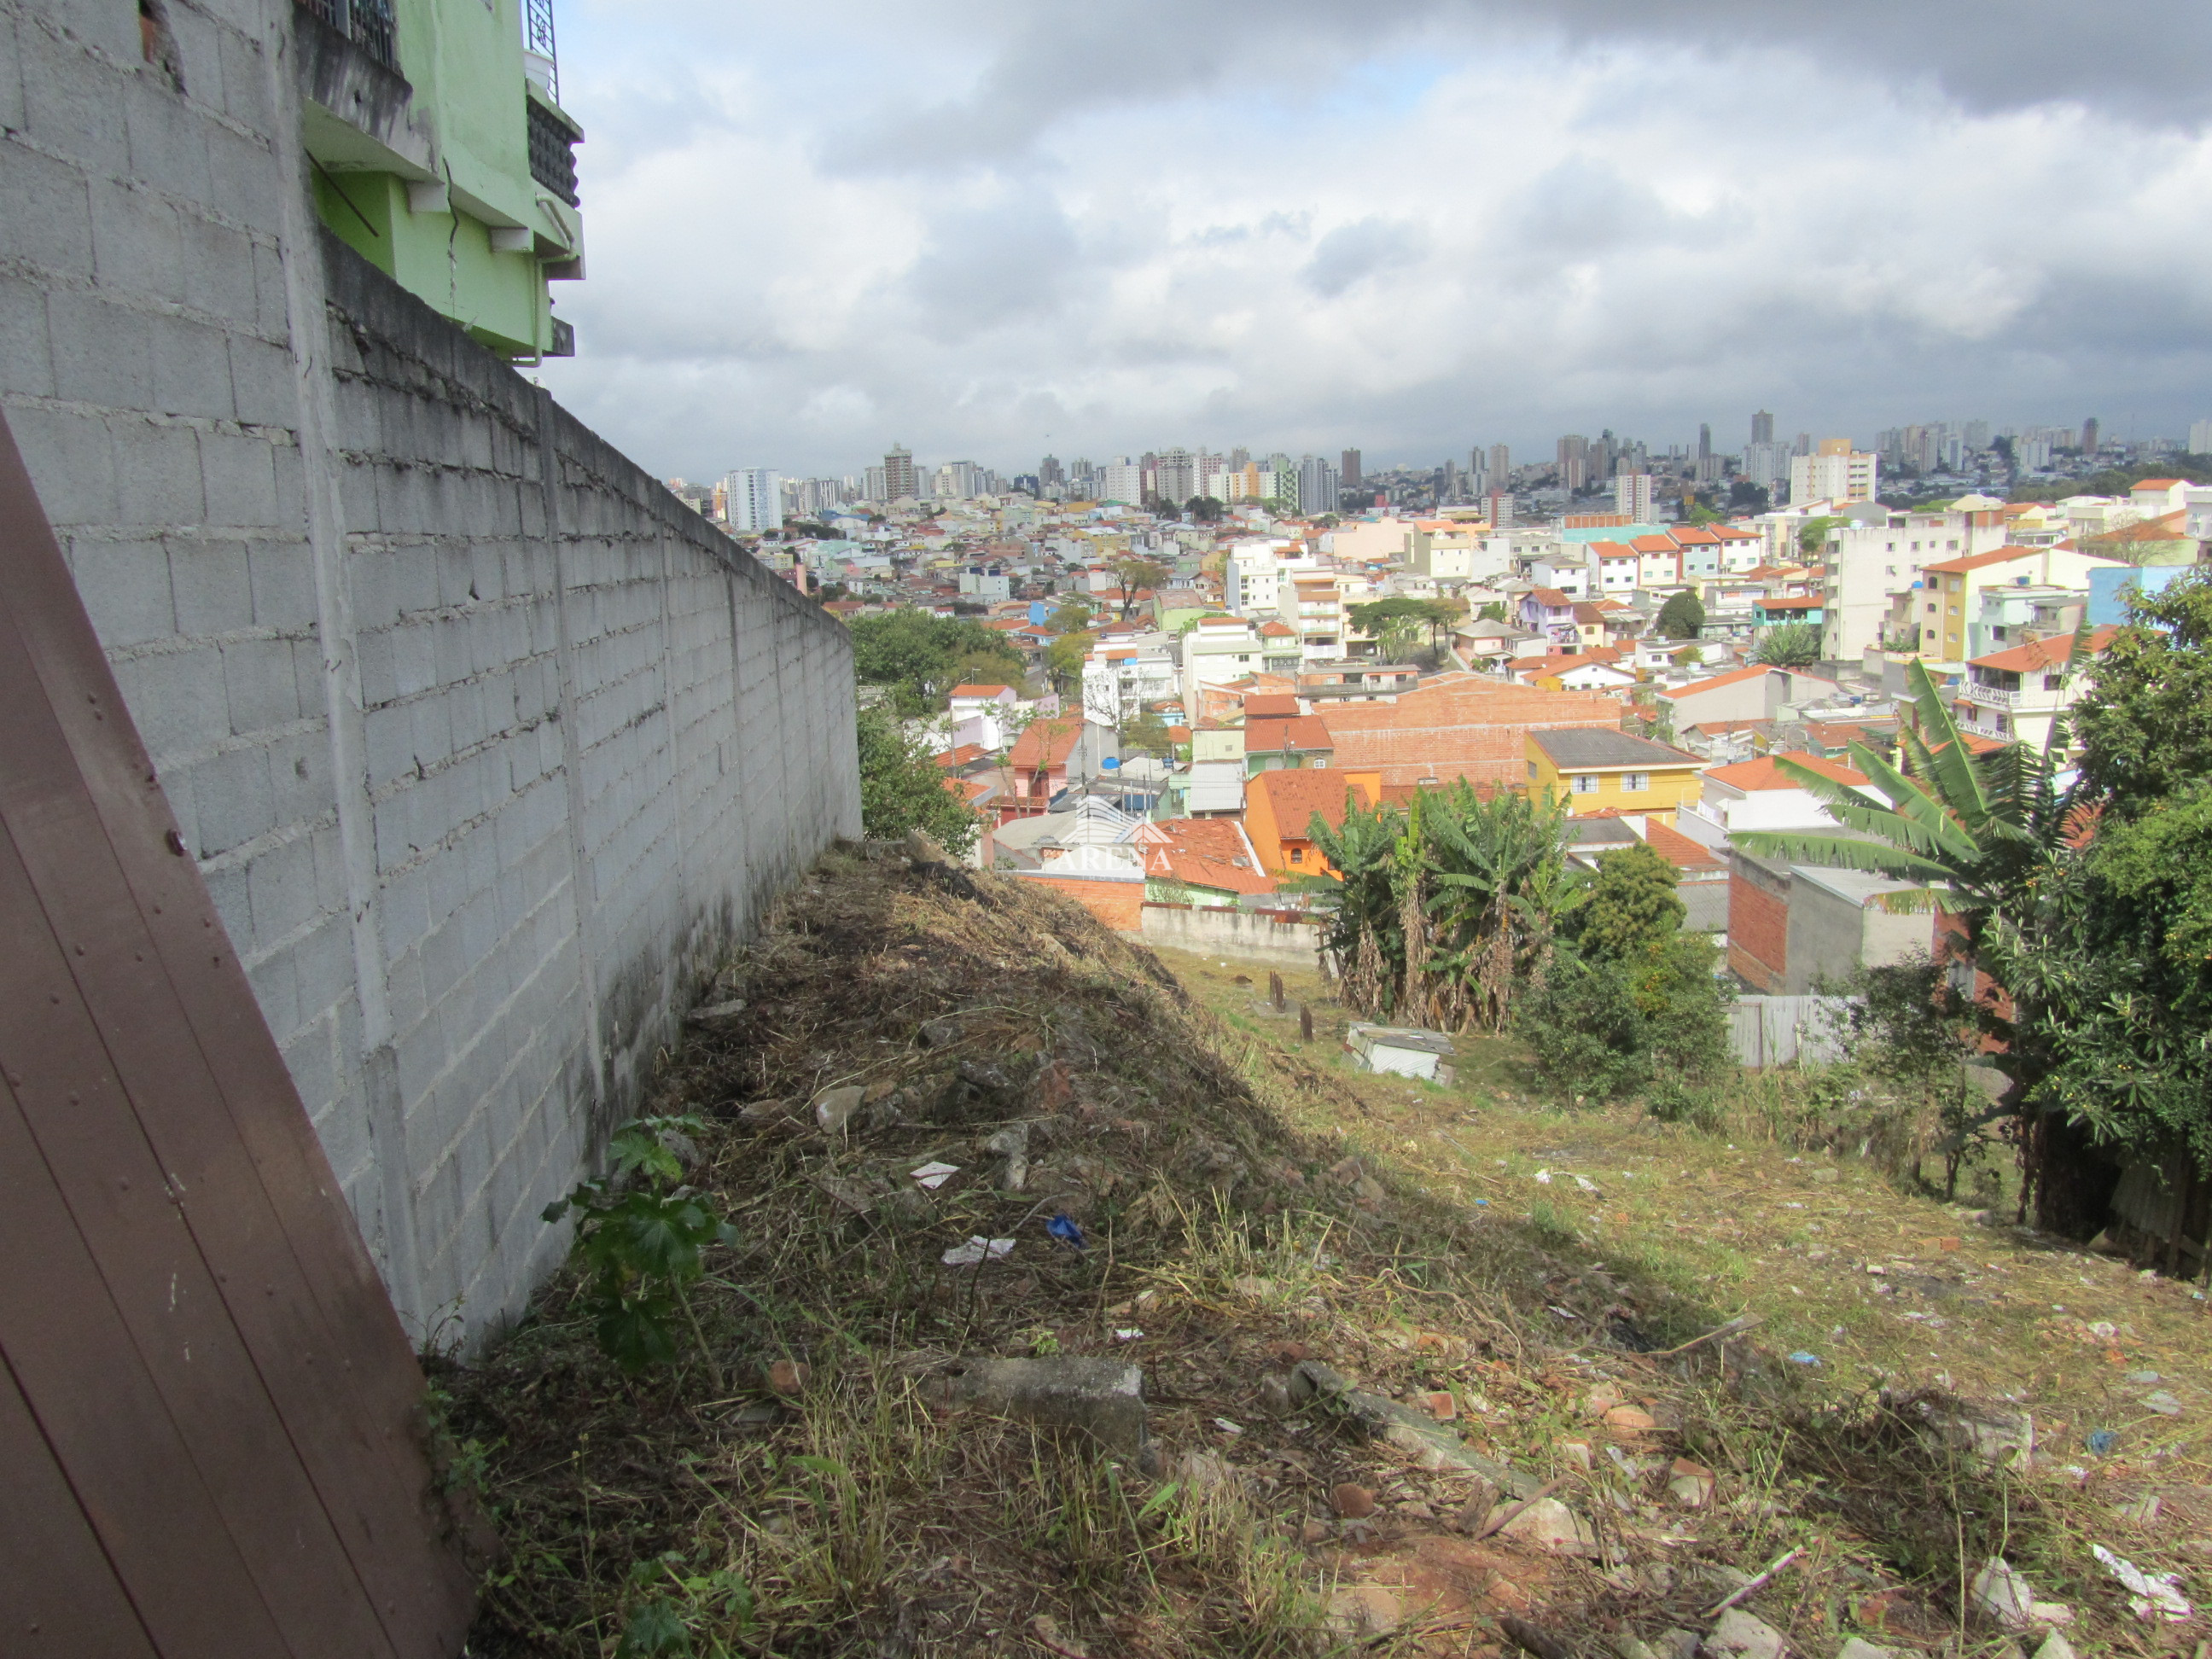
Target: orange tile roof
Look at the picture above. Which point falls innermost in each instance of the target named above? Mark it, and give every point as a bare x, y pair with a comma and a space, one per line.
1764, 774
978, 691
2004, 555
1550, 598
1679, 850
1297, 792
1734, 676
1275, 737
1271, 706
1655, 544
1276, 631
2157, 484
1691, 535
1044, 744
1613, 550
2038, 656
963, 756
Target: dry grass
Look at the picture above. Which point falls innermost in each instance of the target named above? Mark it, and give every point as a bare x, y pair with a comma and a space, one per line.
1247, 1201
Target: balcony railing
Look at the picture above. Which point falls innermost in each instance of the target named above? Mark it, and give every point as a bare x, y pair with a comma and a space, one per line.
1991, 697
366, 23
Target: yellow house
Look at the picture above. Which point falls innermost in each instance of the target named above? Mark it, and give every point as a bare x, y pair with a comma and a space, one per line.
1595, 770
1941, 610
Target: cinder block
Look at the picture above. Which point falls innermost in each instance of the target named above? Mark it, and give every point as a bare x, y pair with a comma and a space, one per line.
125, 588
49, 212
11, 77
263, 387
135, 243
271, 299
282, 575
245, 79
26, 368
241, 475
224, 278
212, 584
157, 473
189, 361
324, 963
259, 684
276, 990
69, 99
231, 791
244, 183
168, 141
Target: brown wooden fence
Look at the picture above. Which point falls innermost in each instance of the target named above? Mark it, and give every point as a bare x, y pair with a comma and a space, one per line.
209, 1414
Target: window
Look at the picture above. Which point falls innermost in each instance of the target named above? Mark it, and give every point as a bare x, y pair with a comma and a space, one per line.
1585, 783
1636, 782
2051, 682
1298, 855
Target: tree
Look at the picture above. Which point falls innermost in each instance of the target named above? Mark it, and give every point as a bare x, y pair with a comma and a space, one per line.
1683, 616
1981, 837
1493, 611
1813, 534
1632, 909
1072, 616
2145, 727
1147, 735
1747, 497
1203, 509
1789, 645
1132, 575
1063, 661
921, 657
902, 788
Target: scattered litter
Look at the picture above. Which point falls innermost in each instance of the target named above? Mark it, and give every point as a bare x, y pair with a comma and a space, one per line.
2105, 1328
2101, 1441
2143, 1379
2002, 1593
2163, 1403
2140, 1512
2152, 1595
1586, 1183
934, 1175
1793, 1207
1543, 1177
1801, 1358
1567, 1313
978, 1250
1127, 1334
1228, 1427
1484, 1202
1065, 1230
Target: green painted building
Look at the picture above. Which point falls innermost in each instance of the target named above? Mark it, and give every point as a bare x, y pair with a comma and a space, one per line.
442, 152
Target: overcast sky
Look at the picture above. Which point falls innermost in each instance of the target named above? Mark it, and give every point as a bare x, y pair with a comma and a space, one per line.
990, 228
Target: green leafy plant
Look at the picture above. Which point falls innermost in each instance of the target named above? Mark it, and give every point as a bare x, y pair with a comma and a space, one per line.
679, 1600
642, 1237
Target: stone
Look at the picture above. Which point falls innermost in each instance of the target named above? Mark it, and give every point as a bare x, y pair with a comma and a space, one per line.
1859, 1648
1351, 1500
1365, 1612
1315, 1530
1549, 1524
1576, 1452
2004, 1438
1690, 1484
2055, 1646
1625, 1646
1630, 1419
1439, 1404
1275, 1393
1678, 1644
1414, 1510
2163, 1403
2140, 1512
1482, 1499
1204, 1473
789, 1376
939, 1033
1103, 1399
1741, 1635
759, 1112
1827, 1177
834, 1107
1252, 1286
714, 1012
1310, 1380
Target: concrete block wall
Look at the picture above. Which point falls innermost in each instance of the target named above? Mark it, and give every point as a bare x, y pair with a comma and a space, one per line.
486, 746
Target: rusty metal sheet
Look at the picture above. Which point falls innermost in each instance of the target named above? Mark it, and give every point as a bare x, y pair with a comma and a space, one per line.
59, 1595
258, 1237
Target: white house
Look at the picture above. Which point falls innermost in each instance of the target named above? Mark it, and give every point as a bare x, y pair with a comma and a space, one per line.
1756, 794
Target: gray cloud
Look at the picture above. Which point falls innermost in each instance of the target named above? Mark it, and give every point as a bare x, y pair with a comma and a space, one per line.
986, 267
1352, 253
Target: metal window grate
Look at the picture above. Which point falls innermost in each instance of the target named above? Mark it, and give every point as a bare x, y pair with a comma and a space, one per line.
552, 154
538, 39
366, 23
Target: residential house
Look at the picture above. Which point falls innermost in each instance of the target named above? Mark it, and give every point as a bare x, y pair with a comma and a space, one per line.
1200, 860
1300, 740
1755, 692
1218, 651
1758, 794
1550, 613
1568, 575
1658, 561
1109, 880
1457, 725
1931, 617
1039, 762
2014, 696
1279, 808
1619, 566
1700, 550
1793, 926
1865, 564
2027, 610
1770, 611
1581, 671
979, 714
1593, 770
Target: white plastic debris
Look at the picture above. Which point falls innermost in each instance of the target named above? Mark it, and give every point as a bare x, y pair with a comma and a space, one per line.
1586, 1183
1228, 1427
976, 1250
1127, 1334
934, 1175
2000, 1591
2152, 1595
1543, 1177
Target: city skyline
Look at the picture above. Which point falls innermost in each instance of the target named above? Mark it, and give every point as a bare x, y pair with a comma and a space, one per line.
999, 234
